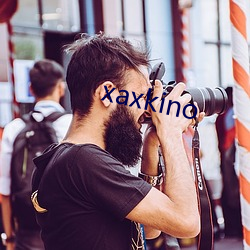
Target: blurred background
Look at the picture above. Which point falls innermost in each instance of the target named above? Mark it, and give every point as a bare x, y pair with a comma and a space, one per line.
192, 38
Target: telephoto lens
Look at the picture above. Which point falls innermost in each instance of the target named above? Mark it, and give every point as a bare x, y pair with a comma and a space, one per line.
210, 101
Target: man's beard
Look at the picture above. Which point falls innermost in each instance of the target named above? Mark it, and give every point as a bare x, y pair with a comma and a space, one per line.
122, 137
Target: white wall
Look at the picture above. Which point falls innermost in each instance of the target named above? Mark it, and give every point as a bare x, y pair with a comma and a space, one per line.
160, 34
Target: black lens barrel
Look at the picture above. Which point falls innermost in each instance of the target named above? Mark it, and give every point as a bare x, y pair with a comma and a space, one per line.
210, 101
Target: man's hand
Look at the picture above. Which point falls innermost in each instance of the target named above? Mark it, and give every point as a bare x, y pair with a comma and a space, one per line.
171, 120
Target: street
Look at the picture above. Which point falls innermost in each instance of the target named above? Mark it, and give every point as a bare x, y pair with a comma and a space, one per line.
223, 244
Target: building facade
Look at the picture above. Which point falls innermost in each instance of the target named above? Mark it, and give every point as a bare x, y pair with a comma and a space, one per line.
193, 42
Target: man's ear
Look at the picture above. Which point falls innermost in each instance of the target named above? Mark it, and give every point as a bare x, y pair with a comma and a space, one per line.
104, 92
31, 90
62, 88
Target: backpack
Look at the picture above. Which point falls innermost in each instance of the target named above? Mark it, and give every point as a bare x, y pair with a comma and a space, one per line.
37, 135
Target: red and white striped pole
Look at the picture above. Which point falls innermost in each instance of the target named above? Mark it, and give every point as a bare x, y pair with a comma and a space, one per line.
185, 55
15, 106
241, 95
185, 65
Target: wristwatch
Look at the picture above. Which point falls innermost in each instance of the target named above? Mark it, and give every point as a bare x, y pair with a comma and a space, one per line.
151, 179
6, 239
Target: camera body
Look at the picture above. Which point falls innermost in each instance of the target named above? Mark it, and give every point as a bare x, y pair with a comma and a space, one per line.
210, 101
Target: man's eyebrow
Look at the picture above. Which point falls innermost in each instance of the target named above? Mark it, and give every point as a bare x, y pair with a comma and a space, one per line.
146, 88
138, 93
141, 93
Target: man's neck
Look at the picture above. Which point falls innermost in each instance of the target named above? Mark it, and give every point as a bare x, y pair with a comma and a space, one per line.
48, 98
85, 131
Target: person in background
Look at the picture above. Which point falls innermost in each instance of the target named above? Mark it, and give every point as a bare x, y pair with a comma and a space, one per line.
225, 126
210, 162
47, 86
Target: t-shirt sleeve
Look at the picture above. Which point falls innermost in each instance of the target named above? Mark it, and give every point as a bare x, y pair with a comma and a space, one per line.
108, 184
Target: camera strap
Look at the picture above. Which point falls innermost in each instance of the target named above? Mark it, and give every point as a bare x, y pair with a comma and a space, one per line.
205, 238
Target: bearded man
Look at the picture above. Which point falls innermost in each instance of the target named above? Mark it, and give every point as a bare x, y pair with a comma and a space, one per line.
84, 196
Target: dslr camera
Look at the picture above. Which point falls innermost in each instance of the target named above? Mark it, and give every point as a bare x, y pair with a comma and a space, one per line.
210, 101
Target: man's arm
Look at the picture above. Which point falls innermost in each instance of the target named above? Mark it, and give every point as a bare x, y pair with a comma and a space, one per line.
9, 134
7, 220
175, 211
149, 166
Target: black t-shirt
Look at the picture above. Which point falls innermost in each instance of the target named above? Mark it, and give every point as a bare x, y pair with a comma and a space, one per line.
88, 194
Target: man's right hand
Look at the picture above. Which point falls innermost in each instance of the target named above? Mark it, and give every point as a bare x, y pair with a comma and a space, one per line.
171, 124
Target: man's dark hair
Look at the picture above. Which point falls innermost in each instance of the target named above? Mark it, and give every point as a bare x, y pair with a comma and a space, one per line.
44, 76
97, 59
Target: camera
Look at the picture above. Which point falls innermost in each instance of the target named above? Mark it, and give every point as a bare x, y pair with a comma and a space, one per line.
210, 101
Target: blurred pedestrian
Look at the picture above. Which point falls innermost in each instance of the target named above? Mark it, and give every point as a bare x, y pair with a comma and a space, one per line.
225, 126
210, 161
47, 85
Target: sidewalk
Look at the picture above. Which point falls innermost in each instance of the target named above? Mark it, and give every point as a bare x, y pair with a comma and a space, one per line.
223, 244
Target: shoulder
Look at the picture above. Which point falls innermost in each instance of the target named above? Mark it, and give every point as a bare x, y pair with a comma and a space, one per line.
90, 152
16, 123
12, 129
61, 125
94, 153
63, 120
94, 160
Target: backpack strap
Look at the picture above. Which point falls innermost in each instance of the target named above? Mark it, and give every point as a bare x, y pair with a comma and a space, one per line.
54, 116
43, 123
51, 118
